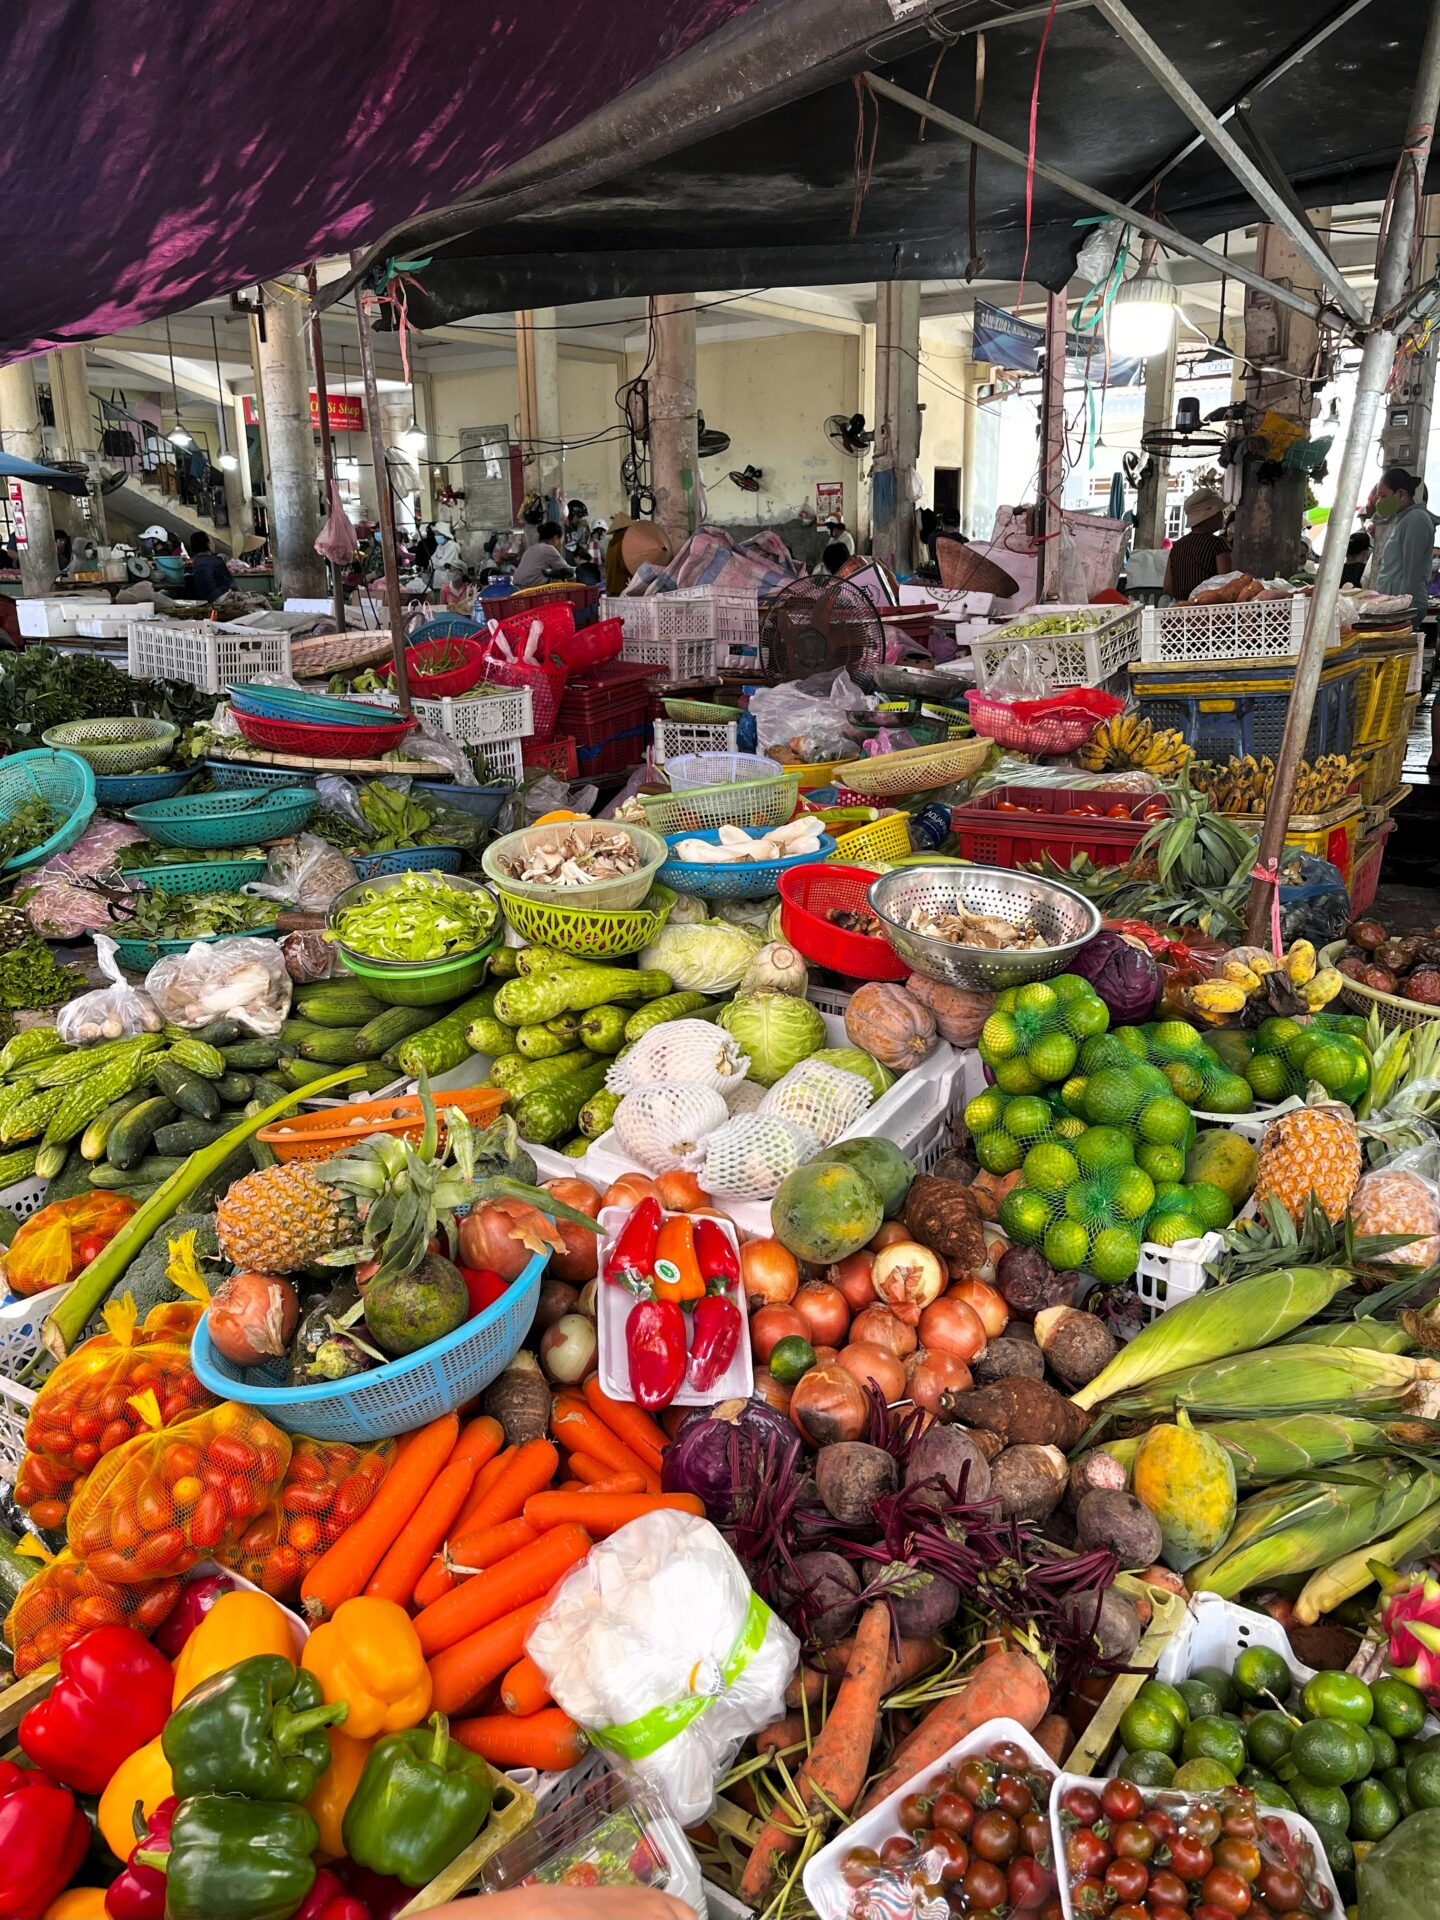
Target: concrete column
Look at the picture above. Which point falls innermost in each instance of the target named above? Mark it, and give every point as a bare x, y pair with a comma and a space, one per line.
1405, 436
20, 434
1154, 490
76, 426
259, 399
294, 489
236, 478
674, 451
858, 512
537, 361
897, 412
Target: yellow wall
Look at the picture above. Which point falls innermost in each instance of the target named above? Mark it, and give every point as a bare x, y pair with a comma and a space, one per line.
772, 395
490, 396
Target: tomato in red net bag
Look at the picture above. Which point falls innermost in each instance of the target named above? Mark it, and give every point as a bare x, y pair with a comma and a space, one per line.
327, 1486
66, 1598
91, 1403
179, 1494
62, 1239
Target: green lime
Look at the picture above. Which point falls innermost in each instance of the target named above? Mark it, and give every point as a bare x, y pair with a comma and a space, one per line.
1014, 1076
1386, 1753
1364, 1751
1037, 997
1027, 1116
1187, 1082
986, 1111
1399, 1709
1326, 1806
1259, 1673
1005, 1000
1147, 1769
1161, 1163
1052, 1057
1196, 1776
999, 1038
1211, 1738
1161, 1694
1112, 1097
1325, 1752
1269, 1793
1298, 1051
1168, 1229
1338, 1696
998, 1151
1176, 1036
1114, 1255
1229, 1093
1070, 1128
1025, 1215
791, 1357
1339, 1854
1374, 1810
1269, 1733
1200, 1694
1210, 1205
1072, 1094
1422, 1777
1334, 1067
1148, 1727
1133, 1192
1105, 1050
1164, 1120
1067, 1244
1267, 1077
1086, 1016
1276, 1033
1224, 1686
1104, 1150
1134, 1042
1394, 1778
1050, 1168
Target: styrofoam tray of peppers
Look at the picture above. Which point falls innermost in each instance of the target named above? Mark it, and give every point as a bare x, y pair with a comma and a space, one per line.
670, 1313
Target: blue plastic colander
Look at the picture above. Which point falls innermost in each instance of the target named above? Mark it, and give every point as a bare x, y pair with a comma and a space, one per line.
65, 781
407, 860
745, 880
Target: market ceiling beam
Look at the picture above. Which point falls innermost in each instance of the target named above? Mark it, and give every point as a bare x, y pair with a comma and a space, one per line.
1278, 207
1268, 161
1093, 197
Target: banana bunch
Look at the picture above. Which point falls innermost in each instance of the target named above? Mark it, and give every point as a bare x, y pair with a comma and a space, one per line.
1251, 981
1245, 786
1127, 741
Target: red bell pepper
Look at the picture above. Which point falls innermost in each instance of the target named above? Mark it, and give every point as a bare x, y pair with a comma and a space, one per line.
331, 1899
717, 1335
139, 1892
43, 1838
485, 1287
112, 1696
719, 1262
384, 1896
631, 1261
655, 1347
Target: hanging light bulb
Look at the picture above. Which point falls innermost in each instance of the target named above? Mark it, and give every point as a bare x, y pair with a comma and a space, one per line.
413, 438
178, 437
1142, 316
228, 462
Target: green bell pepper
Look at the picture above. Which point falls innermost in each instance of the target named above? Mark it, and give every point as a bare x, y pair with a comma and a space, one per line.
421, 1800
257, 1728
233, 1859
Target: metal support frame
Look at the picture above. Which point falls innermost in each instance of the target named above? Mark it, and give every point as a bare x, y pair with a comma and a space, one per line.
384, 498
327, 449
1375, 364
1093, 197
1051, 489
1276, 206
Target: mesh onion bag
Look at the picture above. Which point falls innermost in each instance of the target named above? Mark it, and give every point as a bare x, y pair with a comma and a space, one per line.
693, 1051
823, 1100
664, 1127
327, 1486
1289, 1056
1034, 1036
750, 1155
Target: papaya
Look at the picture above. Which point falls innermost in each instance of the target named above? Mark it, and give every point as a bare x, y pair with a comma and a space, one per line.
1227, 1160
1187, 1480
882, 1164
825, 1210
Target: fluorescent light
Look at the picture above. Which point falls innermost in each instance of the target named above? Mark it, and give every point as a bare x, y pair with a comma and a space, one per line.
1142, 316
228, 462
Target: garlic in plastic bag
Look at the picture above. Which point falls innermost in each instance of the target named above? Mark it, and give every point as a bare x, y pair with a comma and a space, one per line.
751, 1154
664, 1126
825, 1100
694, 1051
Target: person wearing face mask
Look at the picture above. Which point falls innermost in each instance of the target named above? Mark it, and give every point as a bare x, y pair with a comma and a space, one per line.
1405, 558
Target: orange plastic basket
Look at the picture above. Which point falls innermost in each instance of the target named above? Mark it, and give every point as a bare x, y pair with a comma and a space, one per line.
317, 1136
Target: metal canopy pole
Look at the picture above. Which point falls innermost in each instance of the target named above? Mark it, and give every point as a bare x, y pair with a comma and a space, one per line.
1277, 207
1052, 444
1374, 375
327, 450
383, 496
1093, 197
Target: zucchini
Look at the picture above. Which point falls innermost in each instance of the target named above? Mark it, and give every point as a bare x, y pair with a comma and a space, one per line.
132, 1133
252, 1056
549, 960
234, 1089
526, 1075
441, 1046
602, 1029
547, 1112
187, 1135
295, 1029
540, 996
188, 1090
670, 1006
148, 1172
388, 1028
337, 1003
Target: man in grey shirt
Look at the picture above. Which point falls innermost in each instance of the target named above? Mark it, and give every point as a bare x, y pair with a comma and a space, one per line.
544, 561
1406, 559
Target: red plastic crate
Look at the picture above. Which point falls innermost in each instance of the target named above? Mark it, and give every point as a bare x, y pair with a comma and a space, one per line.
993, 837
1365, 880
613, 744
556, 756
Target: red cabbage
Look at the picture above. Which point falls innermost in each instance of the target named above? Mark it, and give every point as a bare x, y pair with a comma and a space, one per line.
1124, 976
189, 1610
726, 1454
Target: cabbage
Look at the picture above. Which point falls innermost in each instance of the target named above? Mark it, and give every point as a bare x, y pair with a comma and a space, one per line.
708, 958
856, 1060
689, 910
773, 929
776, 1030
1123, 974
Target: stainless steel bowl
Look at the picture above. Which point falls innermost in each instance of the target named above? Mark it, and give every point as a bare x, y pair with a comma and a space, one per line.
1065, 918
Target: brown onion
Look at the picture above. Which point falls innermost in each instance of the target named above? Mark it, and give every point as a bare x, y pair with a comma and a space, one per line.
888, 1234
990, 1306
928, 1375
951, 1326
771, 1391
908, 1277
557, 1298
580, 1259
869, 1362
567, 1350
501, 1236
877, 1325
829, 1404
252, 1316
770, 1326
769, 1273
680, 1192
855, 1277
823, 1309
825, 1354
629, 1190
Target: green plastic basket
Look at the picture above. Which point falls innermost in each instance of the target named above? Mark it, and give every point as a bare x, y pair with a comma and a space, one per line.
433, 985
200, 876
203, 820
742, 803
700, 712
121, 745
589, 934
138, 956
65, 781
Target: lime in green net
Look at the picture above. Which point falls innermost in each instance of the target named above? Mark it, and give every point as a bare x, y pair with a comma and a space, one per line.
1034, 1036
1288, 1056
1195, 1070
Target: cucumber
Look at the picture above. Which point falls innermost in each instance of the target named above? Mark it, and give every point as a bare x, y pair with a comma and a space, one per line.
505, 963
187, 1135
148, 1172
297, 1073
337, 1003
132, 1133
219, 1033
234, 1089
265, 1092
333, 1046
295, 1030
188, 1090
388, 1028
252, 1056
96, 1136
15, 1570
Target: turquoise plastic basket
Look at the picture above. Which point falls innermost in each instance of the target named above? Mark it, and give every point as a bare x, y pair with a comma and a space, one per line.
204, 820
408, 860
200, 876
65, 780
134, 789
231, 776
396, 1398
746, 880
138, 956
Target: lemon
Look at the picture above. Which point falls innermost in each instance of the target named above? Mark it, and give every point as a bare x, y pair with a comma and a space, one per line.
999, 1038
1102, 1149
1025, 1215
1267, 1076
1165, 1121
1134, 1042
986, 1111
1070, 1128
1202, 1776
1161, 1163
1114, 1255
998, 1152
1104, 1050
1324, 1751
1162, 1694
1070, 986
1272, 1035
1133, 1193
1228, 1093
1050, 1168
1086, 1016
1026, 1116
1187, 1082
1332, 1066
1072, 1094
1147, 1768
1052, 1056
1270, 1732
1176, 1035
1338, 1696
1066, 1244
1013, 1076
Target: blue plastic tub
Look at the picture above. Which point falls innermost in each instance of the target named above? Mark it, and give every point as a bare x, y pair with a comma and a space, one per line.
406, 860
395, 1398
230, 776
746, 880
135, 789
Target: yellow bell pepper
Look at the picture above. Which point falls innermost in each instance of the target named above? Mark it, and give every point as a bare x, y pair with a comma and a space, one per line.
370, 1655
78, 1903
145, 1777
238, 1626
326, 1805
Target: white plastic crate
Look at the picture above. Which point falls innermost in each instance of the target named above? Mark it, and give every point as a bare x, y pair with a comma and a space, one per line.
1250, 630
736, 621
1081, 659
671, 630
676, 737
500, 760
210, 655
474, 719
15, 1404
112, 624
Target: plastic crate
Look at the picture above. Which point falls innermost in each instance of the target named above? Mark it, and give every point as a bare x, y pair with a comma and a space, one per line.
616, 752
1380, 695
557, 756
1330, 835
1251, 630
498, 713
672, 632
736, 621
1080, 659
208, 654
1365, 873
993, 837
676, 737
597, 690
53, 619
1223, 715
497, 760
1382, 768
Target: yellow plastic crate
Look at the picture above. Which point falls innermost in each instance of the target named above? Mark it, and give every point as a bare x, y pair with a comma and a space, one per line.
1382, 767
1380, 696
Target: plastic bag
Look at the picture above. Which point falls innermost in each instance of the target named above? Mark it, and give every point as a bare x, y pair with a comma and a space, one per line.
60, 1240
657, 1617
338, 539
61, 899
115, 1012
66, 1599
327, 1486
809, 722
306, 873
338, 795
308, 956
1314, 905
242, 980
1011, 772
1019, 677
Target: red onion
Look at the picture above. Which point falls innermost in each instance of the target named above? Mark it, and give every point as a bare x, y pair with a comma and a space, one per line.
251, 1317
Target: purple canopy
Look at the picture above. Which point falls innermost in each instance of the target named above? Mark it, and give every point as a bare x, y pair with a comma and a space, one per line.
158, 154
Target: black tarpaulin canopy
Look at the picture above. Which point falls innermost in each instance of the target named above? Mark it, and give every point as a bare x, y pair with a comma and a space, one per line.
12, 467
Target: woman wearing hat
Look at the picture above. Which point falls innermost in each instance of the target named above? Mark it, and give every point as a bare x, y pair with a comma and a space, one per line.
1202, 551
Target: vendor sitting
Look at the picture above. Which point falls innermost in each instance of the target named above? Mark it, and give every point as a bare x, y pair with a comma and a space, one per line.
1202, 551
209, 572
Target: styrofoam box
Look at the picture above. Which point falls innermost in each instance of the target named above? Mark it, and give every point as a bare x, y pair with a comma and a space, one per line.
113, 624
53, 619
824, 1885
615, 1303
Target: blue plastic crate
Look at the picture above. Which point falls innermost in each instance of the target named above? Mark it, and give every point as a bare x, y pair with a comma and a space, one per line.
484, 802
1216, 724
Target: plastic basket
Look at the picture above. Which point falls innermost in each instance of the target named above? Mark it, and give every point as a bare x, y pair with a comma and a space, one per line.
395, 1398
134, 789
887, 838
1221, 715
322, 742
437, 984
993, 836
557, 756
500, 760
457, 680
205, 820
1382, 768
115, 746
574, 594
316, 1136
486, 713
198, 876
1082, 658
589, 647
138, 956
679, 739
746, 880
1365, 874
1329, 836
208, 654
720, 766
768, 802
442, 626
65, 781
807, 895
915, 769
1380, 696
483, 802
300, 703
236, 776
1248, 630
610, 895
1390, 1008
1054, 725
15, 1404
662, 620
408, 860
582, 931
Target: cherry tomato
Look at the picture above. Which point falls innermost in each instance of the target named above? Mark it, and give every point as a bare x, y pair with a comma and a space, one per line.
1133, 1840
1052, 1909
954, 1855
1083, 1804
1035, 1834
1241, 1823
1030, 1884
1088, 1896
860, 1866
1120, 1800
975, 1779
1090, 807
1281, 1886
1117, 812
1158, 1821
1006, 1754
1202, 1823
995, 1836
1189, 1858
1130, 1911
1239, 1856
1226, 1890
915, 1812
1168, 1886
985, 1885
953, 1812
1013, 1795
1086, 1853
898, 1850
1008, 806
1127, 1879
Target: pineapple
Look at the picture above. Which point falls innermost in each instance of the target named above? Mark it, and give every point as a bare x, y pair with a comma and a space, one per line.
1398, 1202
280, 1219
1312, 1150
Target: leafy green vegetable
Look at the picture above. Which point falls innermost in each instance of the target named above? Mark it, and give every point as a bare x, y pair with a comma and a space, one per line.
30, 826
29, 977
777, 1030
711, 957
43, 687
159, 915
145, 853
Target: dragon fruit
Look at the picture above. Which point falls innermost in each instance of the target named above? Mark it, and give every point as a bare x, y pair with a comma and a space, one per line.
1411, 1617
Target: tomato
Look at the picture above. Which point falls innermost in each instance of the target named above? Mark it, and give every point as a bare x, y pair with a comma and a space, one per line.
1281, 1886
1086, 1853
975, 1779
1189, 1859
1088, 1896
1035, 1833
1168, 1886
1238, 1856
1152, 809
1130, 1911
1117, 812
995, 1836
1009, 806
898, 1850
954, 1813
1127, 1879
1133, 1840
1030, 1884
1013, 1795
985, 1885
1083, 1804
1158, 1821
954, 1855
1120, 1800
1090, 807
1005, 1753
1202, 1823
1241, 1823
1226, 1890
915, 1812
860, 1866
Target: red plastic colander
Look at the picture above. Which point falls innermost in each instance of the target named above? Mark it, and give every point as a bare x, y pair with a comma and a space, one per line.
324, 743
808, 895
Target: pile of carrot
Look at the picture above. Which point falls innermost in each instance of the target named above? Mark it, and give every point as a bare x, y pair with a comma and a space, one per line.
471, 1536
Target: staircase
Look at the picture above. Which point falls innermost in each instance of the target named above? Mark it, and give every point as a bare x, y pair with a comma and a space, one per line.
152, 486
139, 504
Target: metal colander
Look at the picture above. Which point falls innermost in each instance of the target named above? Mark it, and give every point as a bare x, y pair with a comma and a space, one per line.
1065, 919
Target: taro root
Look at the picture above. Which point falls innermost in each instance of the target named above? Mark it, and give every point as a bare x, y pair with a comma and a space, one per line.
1028, 1482
1366, 934
1021, 1411
1118, 1521
953, 1457
851, 1476
943, 1216
1117, 1629
1096, 1472
1076, 1346
1005, 1357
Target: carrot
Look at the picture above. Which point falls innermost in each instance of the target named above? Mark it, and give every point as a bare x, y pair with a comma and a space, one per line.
525, 1689
480, 1442
915, 1657
437, 1578
461, 1674
834, 1770
576, 1427
434, 1583
1055, 1735
1008, 1684
341, 1572
586, 1467
616, 1483
788, 1731
602, 1513
488, 1544
531, 1467
571, 1486
399, 1572
484, 1480
628, 1422
550, 1741
523, 1575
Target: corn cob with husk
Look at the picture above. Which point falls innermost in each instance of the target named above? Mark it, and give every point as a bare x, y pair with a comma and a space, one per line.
1221, 1321
1285, 1379
1300, 1524
1380, 1336
1262, 1451
1353, 1572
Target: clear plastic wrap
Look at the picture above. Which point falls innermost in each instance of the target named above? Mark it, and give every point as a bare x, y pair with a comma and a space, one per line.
822, 1099
1010, 771
308, 956
242, 980
695, 1051
808, 724
114, 1012
666, 1126
656, 1644
748, 1157
1401, 1194
306, 873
